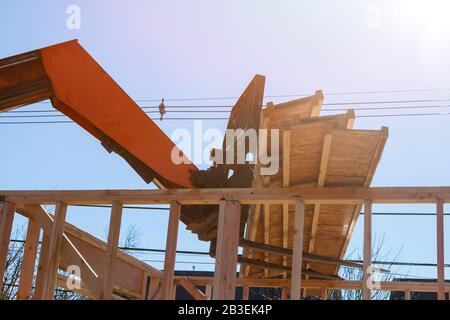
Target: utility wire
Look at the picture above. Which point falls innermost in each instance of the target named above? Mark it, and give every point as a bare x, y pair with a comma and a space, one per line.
204, 253
400, 263
230, 106
225, 111
223, 118
292, 95
210, 111
124, 207
418, 214
431, 214
181, 262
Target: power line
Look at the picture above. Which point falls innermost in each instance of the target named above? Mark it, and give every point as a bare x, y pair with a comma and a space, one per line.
431, 214
230, 106
124, 207
226, 111
70, 121
138, 249
181, 262
210, 111
204, 253
404, 115
291, 95
400, 263
426, 214
385, 108
384, 102
223, 118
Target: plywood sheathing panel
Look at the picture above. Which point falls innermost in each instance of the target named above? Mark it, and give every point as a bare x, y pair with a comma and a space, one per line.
306, 138
302, 108
352, 158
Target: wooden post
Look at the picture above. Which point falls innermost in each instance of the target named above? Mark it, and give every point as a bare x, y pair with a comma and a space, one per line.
227, 250
43, 253
324, 294
266, 235
286, 173
111, 250
7, 210
29, 260
285, 233
208, 292
245, 292
145, 289
171, 248
407, 294
366, 292
440, 249
297, 253
154, 284
174, 292
284, 293
53, 257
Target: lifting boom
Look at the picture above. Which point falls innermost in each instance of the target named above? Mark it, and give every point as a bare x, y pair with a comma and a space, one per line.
78, 87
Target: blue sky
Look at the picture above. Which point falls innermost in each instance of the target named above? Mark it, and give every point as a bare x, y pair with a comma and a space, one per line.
189, 49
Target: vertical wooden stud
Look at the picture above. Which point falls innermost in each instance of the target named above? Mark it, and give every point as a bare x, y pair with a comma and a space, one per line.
40, 274
208, 292
440, 249
227, 250
407, 294
53, 257
111, 250
266, 235
154, 284
324, 294
245, 292
7, 210
286, 173
284, 292
29, 260
174, 292
366, 292
171, 248
296, 274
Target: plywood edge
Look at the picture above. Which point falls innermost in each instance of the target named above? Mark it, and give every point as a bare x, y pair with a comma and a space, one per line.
343, 120
314, 102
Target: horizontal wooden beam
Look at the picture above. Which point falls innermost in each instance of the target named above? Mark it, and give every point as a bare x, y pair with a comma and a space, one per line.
310, 195
415, 286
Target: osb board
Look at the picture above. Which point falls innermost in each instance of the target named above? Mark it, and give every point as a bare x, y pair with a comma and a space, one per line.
350, 157
353, 157
307, 137
306, 149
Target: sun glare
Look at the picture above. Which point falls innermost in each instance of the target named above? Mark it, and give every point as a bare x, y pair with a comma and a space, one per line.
433, 16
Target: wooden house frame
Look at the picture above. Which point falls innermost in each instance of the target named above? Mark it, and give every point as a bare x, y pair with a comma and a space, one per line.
111, 273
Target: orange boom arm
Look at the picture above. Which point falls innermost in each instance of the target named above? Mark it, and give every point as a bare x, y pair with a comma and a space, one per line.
78, 87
